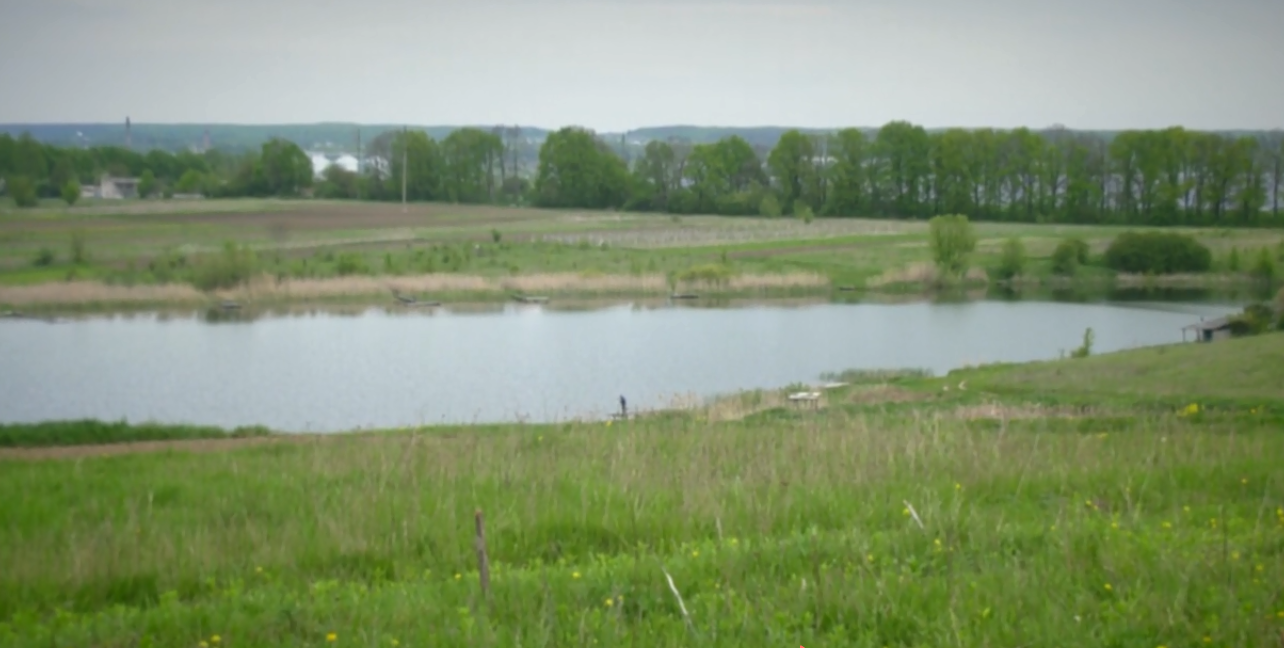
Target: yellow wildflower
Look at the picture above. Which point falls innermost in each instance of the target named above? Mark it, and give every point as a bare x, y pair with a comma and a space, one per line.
331, 637
575, 575
1109, 588
695, 554
203, 645
610, 602
215, 639
1168, 525
458, 576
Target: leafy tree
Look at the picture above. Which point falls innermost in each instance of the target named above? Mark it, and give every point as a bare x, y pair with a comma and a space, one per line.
472, 158
71, 192
1012, 262
147, 184
576, 170
22, 190
953, 241
337, 183
283, 168
190, 182
791, 164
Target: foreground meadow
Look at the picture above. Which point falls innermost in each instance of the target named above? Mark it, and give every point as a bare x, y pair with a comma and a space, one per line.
148, 253
1031, 505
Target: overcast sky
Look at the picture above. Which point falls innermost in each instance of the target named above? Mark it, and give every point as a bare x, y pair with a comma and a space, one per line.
619, 64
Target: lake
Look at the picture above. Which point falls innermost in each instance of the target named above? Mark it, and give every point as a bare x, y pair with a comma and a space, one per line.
383, 367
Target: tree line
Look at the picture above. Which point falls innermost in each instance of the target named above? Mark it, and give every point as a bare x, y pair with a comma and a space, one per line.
1172, 176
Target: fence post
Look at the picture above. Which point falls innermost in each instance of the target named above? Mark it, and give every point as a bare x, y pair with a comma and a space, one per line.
483, 563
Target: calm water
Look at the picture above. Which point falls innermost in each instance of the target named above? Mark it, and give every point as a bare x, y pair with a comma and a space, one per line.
386, 368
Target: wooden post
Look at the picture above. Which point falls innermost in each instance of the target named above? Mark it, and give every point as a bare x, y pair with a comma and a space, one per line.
483, 563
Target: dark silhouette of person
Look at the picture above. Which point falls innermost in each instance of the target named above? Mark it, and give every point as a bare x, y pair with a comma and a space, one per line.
624, 407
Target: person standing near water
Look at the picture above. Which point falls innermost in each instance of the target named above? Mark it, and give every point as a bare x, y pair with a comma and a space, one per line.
624, 407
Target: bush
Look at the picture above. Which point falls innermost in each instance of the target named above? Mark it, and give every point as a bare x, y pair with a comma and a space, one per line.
227, 269
1069, 255
710, 274
351, 263
953, 241
1255, 319
769, 206
804, 214
1012, 263
1232, 264
71, 192
1264, 267
1158, 253
44, 258
79, 254
22, 190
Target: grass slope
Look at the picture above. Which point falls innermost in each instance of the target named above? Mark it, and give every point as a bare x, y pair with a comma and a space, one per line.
930, 518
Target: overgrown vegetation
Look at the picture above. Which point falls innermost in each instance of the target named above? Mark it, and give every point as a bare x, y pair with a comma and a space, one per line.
1158, 253
1068, 256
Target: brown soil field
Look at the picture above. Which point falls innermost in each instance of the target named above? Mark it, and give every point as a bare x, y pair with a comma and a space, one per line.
301, 215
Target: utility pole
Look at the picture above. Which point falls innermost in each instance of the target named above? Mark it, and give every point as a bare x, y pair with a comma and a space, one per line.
405, 157
360, 155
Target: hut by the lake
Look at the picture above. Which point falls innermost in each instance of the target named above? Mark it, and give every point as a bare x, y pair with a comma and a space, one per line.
1209, 330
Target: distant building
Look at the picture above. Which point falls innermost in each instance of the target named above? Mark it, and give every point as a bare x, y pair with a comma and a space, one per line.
346, 162
117, 188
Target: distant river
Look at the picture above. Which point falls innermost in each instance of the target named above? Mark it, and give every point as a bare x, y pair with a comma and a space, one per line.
390, 368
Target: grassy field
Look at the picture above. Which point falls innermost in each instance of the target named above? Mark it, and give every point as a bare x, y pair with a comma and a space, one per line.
165, 252
1133, 499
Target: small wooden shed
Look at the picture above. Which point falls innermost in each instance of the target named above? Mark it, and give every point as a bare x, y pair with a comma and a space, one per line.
1209, 330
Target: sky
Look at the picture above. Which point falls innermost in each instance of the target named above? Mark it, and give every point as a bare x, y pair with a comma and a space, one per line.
614, 65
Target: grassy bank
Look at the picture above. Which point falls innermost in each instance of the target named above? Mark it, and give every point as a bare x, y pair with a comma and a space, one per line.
1017, 507
169, 253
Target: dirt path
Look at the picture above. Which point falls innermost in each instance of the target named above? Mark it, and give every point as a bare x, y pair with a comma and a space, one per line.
136, 447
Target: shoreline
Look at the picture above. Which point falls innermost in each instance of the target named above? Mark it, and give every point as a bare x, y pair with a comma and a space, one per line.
456, 290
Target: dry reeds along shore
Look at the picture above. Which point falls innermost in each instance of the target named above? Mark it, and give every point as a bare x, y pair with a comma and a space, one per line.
92, 292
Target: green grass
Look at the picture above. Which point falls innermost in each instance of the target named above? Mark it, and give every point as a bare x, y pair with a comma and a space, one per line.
300, 240
1127, 525
85, 432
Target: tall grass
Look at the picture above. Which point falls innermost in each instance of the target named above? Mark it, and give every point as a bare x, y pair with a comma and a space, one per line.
848, 528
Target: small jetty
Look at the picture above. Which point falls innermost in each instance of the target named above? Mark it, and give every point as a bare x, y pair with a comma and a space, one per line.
530, 299
229, 305
411, 302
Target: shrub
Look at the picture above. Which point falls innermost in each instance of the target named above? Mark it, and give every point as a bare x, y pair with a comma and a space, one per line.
44, 258
71, 192
953, 241
804, 214
79, 253
1255, 319
712, 274
1012, 263
1232, 264
227, 269
1264, 267
1084, 349
1157, 253
351, 263
22, 190
769, 206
